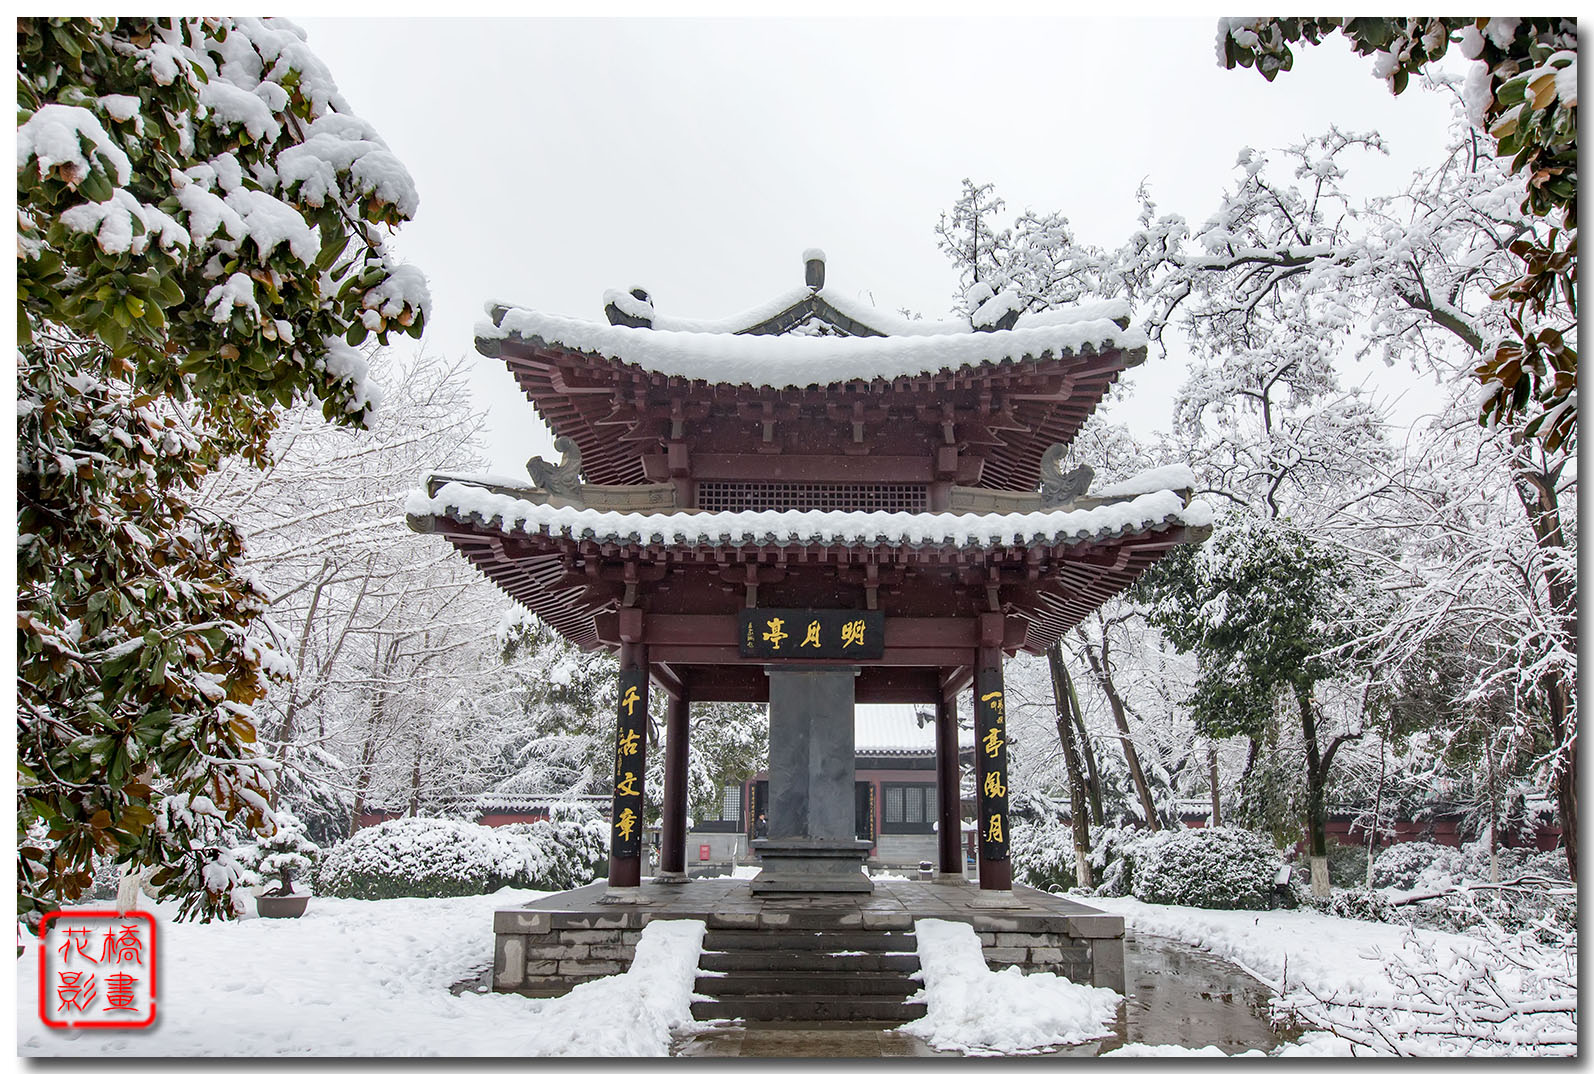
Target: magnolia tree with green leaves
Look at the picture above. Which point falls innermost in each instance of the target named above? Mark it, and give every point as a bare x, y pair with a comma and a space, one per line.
1523, 92
200, 244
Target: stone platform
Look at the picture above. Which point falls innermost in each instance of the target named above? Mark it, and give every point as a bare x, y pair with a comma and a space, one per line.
554, 943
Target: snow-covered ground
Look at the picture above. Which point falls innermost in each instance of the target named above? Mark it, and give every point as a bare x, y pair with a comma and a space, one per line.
1394, 988
371, 978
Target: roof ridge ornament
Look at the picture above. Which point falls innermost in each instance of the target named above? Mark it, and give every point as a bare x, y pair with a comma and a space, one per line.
1058, 489
632, 309
562, 479
992, 308
814, 268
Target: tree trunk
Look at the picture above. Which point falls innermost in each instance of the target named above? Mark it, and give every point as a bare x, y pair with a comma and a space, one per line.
1087, 753
362, 778
291, 709
415, 777
1316, 796
1378, 806
1212, 778
1078, 808
1491, 802
1247, 794
1540, 496
128, 887
373, 729
1565, 769
1101, 669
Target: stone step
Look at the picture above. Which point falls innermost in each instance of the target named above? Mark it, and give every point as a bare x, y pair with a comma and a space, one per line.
808, 917
806, 984
871, 940
808, 1009
755, 961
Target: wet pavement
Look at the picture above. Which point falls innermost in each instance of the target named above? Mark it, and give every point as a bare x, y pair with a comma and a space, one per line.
1178, 994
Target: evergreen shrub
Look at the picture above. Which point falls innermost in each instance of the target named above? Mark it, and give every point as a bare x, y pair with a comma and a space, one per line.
1215, 868
567, 851
1043, 855
1347, 864
426, 857
1361, 904
1112, 859
433, 857
1404, 865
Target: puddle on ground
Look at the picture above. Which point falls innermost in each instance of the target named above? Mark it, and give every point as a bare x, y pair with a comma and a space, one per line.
1179, 994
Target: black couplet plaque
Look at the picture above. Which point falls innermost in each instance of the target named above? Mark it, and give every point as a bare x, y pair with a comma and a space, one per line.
991, 751
812, 634
630, 763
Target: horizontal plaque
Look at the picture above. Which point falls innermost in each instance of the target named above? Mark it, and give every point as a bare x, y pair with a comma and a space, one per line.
811, 634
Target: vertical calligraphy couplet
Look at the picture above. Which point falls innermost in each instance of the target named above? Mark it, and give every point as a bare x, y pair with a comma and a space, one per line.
630, 763
990, 750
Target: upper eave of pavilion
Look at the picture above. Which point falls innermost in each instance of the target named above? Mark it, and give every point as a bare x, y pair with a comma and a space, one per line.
713, 353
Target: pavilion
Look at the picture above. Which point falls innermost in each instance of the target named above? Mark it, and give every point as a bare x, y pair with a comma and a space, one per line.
812, 504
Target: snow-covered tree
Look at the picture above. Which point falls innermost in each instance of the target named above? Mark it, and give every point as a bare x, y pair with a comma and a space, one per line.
1259, 604
1286, 278
200, 224
286, 853
562, 699
967, 237
362, 606
1478, 631
1522, 92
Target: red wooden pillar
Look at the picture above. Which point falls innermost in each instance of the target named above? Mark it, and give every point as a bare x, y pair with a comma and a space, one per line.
949, 824
672, 852
630, 766
990, 757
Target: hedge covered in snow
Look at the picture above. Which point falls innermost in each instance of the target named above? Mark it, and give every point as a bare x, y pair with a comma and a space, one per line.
1424, 866
434, 857
1043, 855
555, 855
1215, 868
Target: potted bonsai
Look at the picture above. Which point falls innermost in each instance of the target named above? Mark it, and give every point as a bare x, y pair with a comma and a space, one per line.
286, 853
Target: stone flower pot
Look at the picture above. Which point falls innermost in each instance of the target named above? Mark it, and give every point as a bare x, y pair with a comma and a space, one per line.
281, 905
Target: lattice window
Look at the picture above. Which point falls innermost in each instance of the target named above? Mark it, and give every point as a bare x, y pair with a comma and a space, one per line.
809, 496
909, 807
731, 807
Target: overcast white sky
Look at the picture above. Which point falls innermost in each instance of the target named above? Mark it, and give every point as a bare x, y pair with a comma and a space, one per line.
699, 157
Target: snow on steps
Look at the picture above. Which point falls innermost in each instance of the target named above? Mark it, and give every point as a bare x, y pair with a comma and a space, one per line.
823, 975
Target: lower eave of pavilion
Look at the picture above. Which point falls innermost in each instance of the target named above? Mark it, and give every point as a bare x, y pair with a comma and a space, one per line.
591, 590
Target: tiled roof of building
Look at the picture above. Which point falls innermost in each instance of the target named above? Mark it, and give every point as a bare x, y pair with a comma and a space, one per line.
896, 729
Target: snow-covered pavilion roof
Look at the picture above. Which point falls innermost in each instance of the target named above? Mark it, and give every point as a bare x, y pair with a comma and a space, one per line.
547, 557
897, 729
1012, 384
721, 355
833, 305
487, 509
